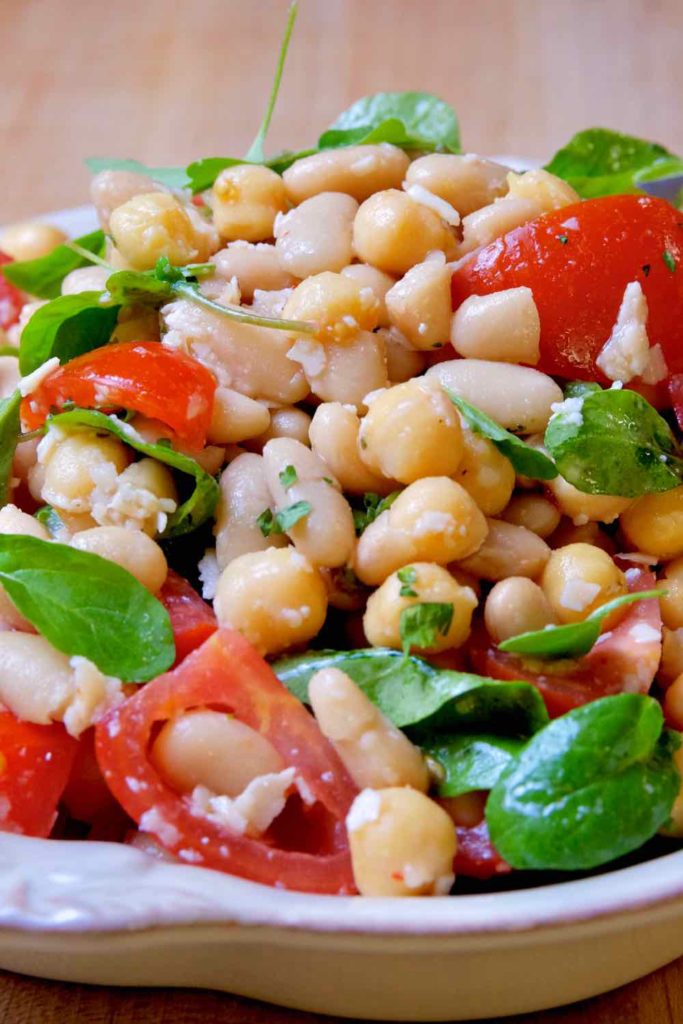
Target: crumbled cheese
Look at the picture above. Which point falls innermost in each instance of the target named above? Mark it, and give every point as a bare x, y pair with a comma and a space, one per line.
570, 409
310, 355
371, 396
626, 353
366, 162
656, 369
209, 574
270, 303
30, 383
578, 594
254, 810
115, 501
94, 695
440, 206
637, 556
644, 633
365, 809
135, 785
153, 821
434, 522
295, 617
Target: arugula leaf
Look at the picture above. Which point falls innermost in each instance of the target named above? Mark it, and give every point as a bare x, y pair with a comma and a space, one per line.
574, 639
202, 173
284, 520
172, 177
86, 605
10, 428
407, 577
201, 503
66, 327
255, 152
373, 506
590, 787
618, 445
471, 762
526, 461
43, 277
288, 477
421, 624
411, 120
412, 693
600, 162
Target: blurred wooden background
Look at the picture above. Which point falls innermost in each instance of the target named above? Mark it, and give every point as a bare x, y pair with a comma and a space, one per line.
167, 81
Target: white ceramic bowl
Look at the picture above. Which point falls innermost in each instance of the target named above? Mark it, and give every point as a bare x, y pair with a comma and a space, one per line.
108, 914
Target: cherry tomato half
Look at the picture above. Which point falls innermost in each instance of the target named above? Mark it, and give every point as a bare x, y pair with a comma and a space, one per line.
192, 619
11, 299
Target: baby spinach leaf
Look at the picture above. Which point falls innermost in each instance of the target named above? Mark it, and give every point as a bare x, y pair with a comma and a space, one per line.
613, 442
172, 177
601, 162
9, 435
422, 624
86, 605
526, 461
412, 120
255, 152
43, 277
574, 639
66, 327
590, 787
201, 503
373, 506
411, 692
471, 762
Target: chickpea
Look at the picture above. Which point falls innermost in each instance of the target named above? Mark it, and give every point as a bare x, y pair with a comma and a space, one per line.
402, 844
30, 240
430, 583
72, 461
507, 551
504, 327
672, 604
585, 508
35, 679
516, 605
288, 421
246, 201
432, 520
671, 664
274, 597
244, 496
85, 279
334, 438
326, 535
403, 362
356, 170
317, 235
580, 578
393, 232
675, 826
654, 524
534, 512
111, 189
377, 281
157, 224
673, 704
467, 182
517, 397
131, 549
153, 495
256, 267
419, 305
212, 749
586, 533
410, 431
485, 474
491, 222
236, 417
14, 521
344, 372
541, 187
375, 753
336, 303
136, 323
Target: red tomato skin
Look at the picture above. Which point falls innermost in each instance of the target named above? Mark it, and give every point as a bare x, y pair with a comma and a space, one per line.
476, 856
36, 761
616, 664
227, 672
676, 396
143, 376
11, 299
192, 619
86, 796
578, 286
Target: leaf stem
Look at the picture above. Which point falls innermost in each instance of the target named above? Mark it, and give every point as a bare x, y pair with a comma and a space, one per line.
243, 315
255, 153
89, 256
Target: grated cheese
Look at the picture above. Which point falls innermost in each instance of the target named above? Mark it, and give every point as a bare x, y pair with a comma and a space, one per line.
440, 206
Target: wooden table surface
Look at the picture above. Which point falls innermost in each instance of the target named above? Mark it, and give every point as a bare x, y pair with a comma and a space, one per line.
167, 81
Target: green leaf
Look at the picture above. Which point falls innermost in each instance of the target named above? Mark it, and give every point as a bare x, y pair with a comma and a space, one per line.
88, 606
407, 577
590, 787
526, 461
172, 177
128, 287
471, 762
600, 162
202, 173
201, 503
614, 442
574, 639
420, 625
255, 152
373, 506
284, 520
9, 350
411, 692
51, 520
411, 120
288, 477
43, 277
669, 260
9, 435
66, 327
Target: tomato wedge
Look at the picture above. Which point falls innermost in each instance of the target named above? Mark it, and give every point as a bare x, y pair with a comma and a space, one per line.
192, 619
143, 376
35, 762
476, 856
577, 262
11, 299
625, 659
226, 672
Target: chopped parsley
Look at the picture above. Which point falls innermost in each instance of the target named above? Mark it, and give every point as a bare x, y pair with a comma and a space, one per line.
421, 624
282, 521
373, 506
669, 260
562, 238
288, 477
407, 577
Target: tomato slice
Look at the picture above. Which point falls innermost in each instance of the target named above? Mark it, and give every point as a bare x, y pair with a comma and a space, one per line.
192, 619
35, 762
676, 396
11, 299
625, 659
144, 376
476, 856
577, 262
226, 672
